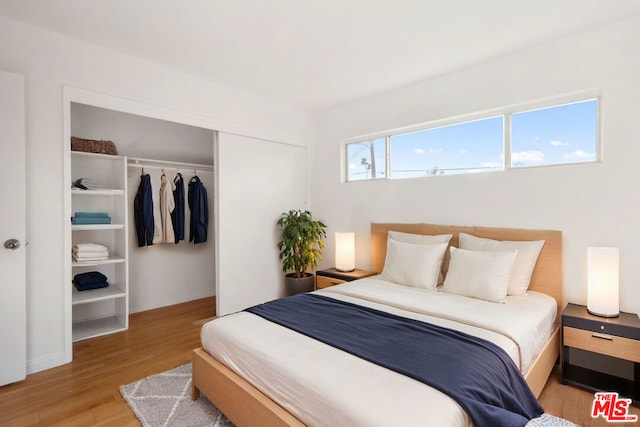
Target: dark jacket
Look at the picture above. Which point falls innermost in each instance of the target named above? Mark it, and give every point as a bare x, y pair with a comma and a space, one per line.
199, 211
143, 211
177, 216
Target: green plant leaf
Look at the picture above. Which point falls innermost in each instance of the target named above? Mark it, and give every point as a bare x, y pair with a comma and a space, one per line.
302, 241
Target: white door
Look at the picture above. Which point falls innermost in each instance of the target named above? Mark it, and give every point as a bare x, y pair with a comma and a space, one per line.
257, 180
13, 334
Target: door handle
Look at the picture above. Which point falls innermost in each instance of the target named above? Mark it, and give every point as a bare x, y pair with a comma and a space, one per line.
12, 244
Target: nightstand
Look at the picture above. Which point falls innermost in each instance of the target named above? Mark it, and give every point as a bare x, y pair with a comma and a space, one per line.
331, 277
601, 354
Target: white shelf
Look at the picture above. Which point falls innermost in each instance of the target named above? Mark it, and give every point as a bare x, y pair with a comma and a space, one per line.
113, 291
85, 227
114, 259
100, 311
97, 192
113, 157
97, 327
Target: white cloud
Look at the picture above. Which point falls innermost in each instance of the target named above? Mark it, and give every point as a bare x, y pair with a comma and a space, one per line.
463, 151
352, 166
531, 156
557, 143
429, 150
580, 154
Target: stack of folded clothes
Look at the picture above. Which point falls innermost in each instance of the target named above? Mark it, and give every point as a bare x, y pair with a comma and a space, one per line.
89, 252
91, 218
90, 280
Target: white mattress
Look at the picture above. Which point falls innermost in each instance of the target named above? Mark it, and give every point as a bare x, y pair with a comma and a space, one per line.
322, 385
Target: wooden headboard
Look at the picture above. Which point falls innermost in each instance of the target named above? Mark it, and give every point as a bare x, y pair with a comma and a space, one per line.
547, 275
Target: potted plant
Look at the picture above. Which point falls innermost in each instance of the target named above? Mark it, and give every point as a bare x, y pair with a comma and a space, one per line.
300, 249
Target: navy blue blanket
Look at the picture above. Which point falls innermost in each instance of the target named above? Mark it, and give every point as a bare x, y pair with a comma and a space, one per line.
478, 374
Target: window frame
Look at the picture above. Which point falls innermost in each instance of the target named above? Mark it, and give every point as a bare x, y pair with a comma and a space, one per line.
598, 145
345, 160
506, 112
461, 122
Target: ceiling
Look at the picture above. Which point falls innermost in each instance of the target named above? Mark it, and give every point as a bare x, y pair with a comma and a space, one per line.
314, 54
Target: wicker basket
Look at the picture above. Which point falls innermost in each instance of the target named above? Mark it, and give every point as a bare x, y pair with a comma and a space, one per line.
93, 146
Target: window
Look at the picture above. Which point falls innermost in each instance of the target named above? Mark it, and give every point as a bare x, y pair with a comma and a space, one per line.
461, 148
559, 134
366, 160
555, 135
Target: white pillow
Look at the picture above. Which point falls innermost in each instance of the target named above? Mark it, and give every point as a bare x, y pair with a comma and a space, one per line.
421, 239
411, 264
479, 274
528, 252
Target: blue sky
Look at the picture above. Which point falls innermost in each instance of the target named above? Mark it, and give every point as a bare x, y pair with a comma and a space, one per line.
562, 134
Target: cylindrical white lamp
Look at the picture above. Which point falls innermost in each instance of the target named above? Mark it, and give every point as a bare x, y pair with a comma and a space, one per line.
603, 281
345, 251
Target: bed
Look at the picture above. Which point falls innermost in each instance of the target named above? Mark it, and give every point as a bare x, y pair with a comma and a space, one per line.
257, 386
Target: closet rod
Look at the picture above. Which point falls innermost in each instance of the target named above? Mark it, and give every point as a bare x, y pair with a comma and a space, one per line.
182, 170
133, 162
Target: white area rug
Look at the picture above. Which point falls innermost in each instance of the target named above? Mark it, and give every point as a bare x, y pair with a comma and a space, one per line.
547, 420
165, 400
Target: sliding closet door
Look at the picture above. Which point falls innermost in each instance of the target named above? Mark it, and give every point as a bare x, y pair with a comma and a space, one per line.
257, 181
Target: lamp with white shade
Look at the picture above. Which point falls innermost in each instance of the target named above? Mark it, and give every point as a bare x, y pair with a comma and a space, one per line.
603, 281
345, 251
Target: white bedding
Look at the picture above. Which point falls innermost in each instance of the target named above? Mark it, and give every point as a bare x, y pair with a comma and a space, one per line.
321, 385
527, 321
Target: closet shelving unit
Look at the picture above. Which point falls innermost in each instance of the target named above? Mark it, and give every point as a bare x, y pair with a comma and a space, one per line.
106, 310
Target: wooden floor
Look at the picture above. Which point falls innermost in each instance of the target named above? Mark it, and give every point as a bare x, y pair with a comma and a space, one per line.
85, 392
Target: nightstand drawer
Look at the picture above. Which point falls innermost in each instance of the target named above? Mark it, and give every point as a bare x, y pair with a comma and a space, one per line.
611, 345
325, 282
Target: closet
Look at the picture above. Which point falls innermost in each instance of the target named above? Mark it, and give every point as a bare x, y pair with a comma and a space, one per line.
140, 278
168, 273
251, 176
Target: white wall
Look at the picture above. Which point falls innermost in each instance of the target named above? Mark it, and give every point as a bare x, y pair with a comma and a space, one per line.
48, 61
143, 137
595, 204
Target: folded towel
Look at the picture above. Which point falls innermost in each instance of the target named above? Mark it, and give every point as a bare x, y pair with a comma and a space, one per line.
89, 278
91, 215
91, 220
90, 254
89, 247
91, 286
81, 258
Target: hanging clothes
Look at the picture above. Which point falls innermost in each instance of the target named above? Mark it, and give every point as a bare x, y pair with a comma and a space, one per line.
198, 205
177, 216
166, 207
143, 211
157, 219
